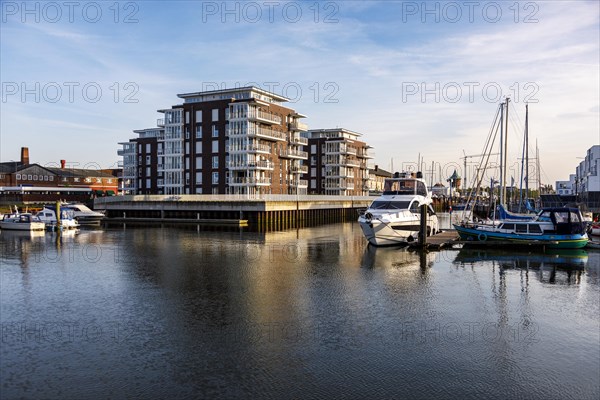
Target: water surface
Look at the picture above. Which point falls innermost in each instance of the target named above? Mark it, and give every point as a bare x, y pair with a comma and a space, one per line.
158, 312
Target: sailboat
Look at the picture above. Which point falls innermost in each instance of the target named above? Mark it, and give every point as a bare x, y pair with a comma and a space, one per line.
561, 227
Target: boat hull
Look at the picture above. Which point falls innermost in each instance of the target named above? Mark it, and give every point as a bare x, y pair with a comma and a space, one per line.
576, 241
381, 233
17, 226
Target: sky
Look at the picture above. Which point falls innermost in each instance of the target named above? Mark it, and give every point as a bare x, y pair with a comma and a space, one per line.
419, 80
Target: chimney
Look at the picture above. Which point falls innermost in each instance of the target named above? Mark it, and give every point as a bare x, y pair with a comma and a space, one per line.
24, 155
376, 167
62, 164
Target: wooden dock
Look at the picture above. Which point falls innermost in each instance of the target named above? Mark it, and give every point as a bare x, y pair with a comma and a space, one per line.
444, 239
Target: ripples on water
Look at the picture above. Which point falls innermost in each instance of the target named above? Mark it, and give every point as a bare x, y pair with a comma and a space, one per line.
161, 312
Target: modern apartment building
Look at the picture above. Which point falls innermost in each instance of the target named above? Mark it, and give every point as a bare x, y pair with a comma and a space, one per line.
231, 141
338, 162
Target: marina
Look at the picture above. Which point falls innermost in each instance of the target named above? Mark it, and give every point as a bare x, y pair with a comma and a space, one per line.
312, 312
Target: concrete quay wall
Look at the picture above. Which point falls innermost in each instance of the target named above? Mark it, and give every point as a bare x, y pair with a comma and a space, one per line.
268, 211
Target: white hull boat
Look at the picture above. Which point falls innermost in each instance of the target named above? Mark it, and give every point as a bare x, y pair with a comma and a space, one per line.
22, 222
395, 216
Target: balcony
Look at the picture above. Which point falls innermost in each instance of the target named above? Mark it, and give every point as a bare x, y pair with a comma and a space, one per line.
160, 122
123, 152
298, 126
250, 181
341, 149
299, 169
351, 162
252, 148
262, 165
363, 153
291, 153
341, 184
262, 133
264, 117
299, 183
299, 140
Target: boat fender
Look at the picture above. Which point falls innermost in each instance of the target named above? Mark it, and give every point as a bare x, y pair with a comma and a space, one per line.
368, 216
482, 237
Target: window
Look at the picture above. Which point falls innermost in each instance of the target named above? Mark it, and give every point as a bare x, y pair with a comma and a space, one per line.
45, 177
51, 177
198, 117
18, 176
75, 179
215, 162
215, 178
148, 148
215, 131
198, 190
87, 180
148, 172
198, 131
313, 183
215, 114
109, 181
29, 177
187, 163
534, 228
313, 148
313, 172
198, 162
35, 177
148, 183
198, 178
147, 159
521, 228
215, 146
198, 147
187, 117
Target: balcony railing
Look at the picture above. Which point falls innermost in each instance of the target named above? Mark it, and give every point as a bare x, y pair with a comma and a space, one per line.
122, 152
250, 181
363, 154
299, 183
252, 148
160, 122
291, 153
264, 133
299, 140
251, 165
264, 116
299, 169
298, 126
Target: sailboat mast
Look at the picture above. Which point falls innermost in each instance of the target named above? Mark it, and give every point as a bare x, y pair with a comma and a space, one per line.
526, 151
505, 150
500, 190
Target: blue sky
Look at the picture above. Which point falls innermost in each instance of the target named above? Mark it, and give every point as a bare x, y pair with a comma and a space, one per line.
408, 75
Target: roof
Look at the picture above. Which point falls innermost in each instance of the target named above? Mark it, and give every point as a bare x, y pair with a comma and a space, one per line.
79, 172
380, 172
10, 166
234, 90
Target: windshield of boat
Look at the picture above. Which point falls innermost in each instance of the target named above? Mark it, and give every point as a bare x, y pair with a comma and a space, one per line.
404, 186
390, 205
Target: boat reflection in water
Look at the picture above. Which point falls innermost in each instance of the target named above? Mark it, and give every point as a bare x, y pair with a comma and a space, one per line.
385, 257
557, 266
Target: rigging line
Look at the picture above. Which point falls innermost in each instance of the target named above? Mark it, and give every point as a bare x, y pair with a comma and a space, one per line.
491, 138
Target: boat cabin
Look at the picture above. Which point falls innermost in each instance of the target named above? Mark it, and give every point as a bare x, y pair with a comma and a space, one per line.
559, 221
404, 186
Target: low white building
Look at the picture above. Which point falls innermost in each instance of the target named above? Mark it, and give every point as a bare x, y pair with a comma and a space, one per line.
565, 188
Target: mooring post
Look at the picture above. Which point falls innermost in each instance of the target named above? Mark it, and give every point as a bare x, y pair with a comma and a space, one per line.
423, 227
58, 220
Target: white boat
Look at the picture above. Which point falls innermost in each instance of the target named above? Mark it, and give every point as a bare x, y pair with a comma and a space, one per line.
22, 222
48, 216
395, 216
83, 214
